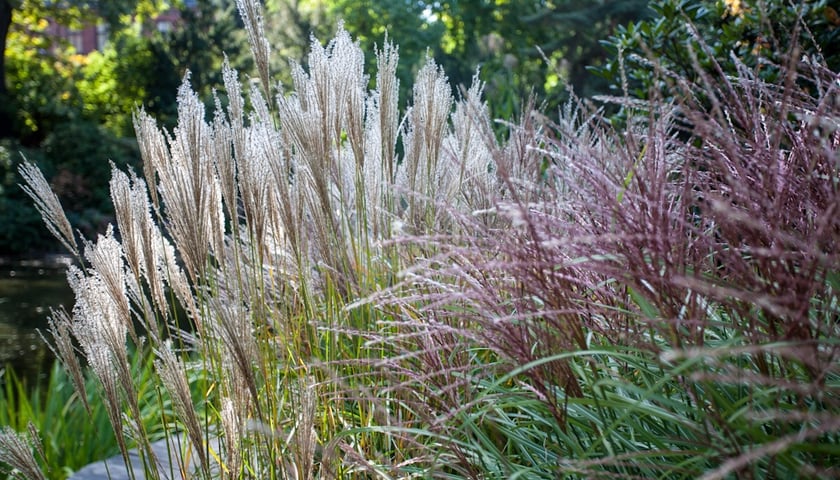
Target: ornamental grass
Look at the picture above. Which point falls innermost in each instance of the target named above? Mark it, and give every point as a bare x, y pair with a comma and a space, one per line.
330, 287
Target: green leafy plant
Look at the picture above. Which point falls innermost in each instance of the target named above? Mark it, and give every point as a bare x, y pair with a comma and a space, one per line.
686, 38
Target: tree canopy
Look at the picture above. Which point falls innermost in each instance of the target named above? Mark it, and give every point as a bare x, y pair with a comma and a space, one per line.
72, 113
521, 47
24, 22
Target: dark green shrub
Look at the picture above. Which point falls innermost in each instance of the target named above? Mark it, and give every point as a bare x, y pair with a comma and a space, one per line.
75, 157
756, 32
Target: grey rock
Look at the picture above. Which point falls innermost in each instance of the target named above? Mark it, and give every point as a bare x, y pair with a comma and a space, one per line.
167, 453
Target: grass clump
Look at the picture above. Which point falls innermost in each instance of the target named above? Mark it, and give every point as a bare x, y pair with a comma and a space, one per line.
376, 294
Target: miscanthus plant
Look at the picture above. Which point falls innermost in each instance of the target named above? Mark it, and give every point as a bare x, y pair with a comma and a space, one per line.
333, 288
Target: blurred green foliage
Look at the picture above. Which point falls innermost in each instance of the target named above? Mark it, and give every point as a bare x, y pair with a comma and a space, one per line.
141, 69
72, 113
522, 47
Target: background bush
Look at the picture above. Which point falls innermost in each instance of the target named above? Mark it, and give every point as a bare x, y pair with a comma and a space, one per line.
720, 34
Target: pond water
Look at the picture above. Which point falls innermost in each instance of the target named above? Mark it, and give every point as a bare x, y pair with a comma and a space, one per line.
28, 289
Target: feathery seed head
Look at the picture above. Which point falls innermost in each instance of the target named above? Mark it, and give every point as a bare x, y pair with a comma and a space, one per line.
173, 375
48, 205
16, 452
251, 13
60, 328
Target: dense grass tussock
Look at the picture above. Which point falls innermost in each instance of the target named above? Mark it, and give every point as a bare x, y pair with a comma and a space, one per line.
375, 293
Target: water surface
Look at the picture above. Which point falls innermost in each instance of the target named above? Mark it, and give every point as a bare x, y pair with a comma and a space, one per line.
28, 289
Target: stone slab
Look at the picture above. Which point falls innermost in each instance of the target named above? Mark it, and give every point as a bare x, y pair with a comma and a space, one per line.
114, 468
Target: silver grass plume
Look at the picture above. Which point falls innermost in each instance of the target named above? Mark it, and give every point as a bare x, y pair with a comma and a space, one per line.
154, 150
423, 138
289, 213
96, 320
350, 182
304, 217
102, 320
337, 76
235, 388
230, 324
174, 377
252, 174
101, 361
228, 136
146, 314
314, 117
268, 202
143, 244
189, 187
374, 185
375, 189
127, 223
106, 262
327, 121
60, 329
289, 268
222, 155
255, 174
304, 439
16, 451
251, 13
307, 121
48, 205
387, 101
180, 284
148, 253
468, 150
348, 74
232, 426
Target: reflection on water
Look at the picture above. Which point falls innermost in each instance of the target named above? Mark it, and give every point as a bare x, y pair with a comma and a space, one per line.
28, 289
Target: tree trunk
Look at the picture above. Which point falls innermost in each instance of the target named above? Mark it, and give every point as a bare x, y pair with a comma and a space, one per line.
5, 101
